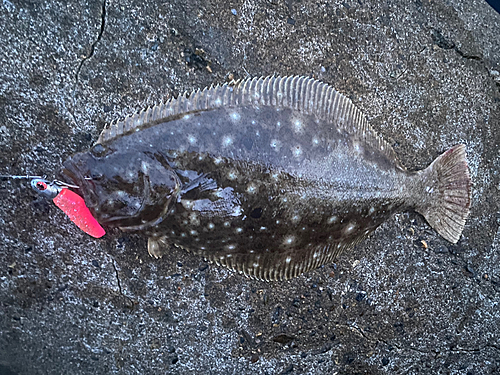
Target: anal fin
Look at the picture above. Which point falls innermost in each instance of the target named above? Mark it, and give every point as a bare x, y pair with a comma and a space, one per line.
277, 266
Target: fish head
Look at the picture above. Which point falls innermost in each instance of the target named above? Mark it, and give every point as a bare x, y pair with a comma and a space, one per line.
132, 190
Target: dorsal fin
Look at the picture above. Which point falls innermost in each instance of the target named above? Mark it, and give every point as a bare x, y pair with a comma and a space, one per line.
304, 94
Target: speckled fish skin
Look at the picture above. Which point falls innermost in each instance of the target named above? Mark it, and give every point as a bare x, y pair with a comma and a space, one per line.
271, 177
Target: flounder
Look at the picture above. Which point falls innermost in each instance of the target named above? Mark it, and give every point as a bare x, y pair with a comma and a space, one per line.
270, 176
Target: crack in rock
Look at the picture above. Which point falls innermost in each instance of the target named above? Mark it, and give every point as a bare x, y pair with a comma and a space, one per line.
91, 53
117, 277
118, 281
457, 350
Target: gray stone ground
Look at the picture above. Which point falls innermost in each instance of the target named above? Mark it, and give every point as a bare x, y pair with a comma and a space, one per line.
426, 74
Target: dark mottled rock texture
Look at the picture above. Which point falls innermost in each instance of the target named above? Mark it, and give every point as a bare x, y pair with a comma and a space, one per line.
426, 74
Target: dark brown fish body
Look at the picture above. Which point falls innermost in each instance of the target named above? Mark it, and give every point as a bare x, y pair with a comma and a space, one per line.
271, 177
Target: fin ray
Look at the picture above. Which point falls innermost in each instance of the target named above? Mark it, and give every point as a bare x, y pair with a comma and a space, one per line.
296, 92
276, 266
449, 197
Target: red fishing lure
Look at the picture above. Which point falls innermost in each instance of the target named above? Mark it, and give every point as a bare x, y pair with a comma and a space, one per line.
71, 204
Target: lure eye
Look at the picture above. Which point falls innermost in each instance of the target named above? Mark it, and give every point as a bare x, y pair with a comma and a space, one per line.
40, 185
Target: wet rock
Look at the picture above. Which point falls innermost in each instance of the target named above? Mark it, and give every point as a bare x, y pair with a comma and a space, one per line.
425, 75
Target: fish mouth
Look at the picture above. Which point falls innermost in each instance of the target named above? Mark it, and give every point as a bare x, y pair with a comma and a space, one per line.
71, 174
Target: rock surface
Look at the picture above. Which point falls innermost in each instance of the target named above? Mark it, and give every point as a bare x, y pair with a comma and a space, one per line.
425, 73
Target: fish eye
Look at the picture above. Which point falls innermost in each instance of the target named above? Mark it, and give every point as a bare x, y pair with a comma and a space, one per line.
256, 213
98, 150
95, 175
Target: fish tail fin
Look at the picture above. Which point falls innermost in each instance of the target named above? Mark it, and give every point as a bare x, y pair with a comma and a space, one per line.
446, 200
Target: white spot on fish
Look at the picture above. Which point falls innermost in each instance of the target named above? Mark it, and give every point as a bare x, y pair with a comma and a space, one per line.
371, 210
231, 247
227, 224
278, 124
253, 123
183, 234
298, 126
193, 233
252, 189
227, 141
295, 219
187, 117
191, 139
297, 151
350, 228
357, 148
194, 219
289, 240
255, 265
332, 219
217, 161
232, 175
239, 230
315, 255
187, 203
235, 116
263, 228
211, 226
288, 260
218, 102
315, 141
144, 167
275, 144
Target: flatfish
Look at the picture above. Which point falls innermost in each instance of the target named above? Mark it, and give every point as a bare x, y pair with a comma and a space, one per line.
270, 177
